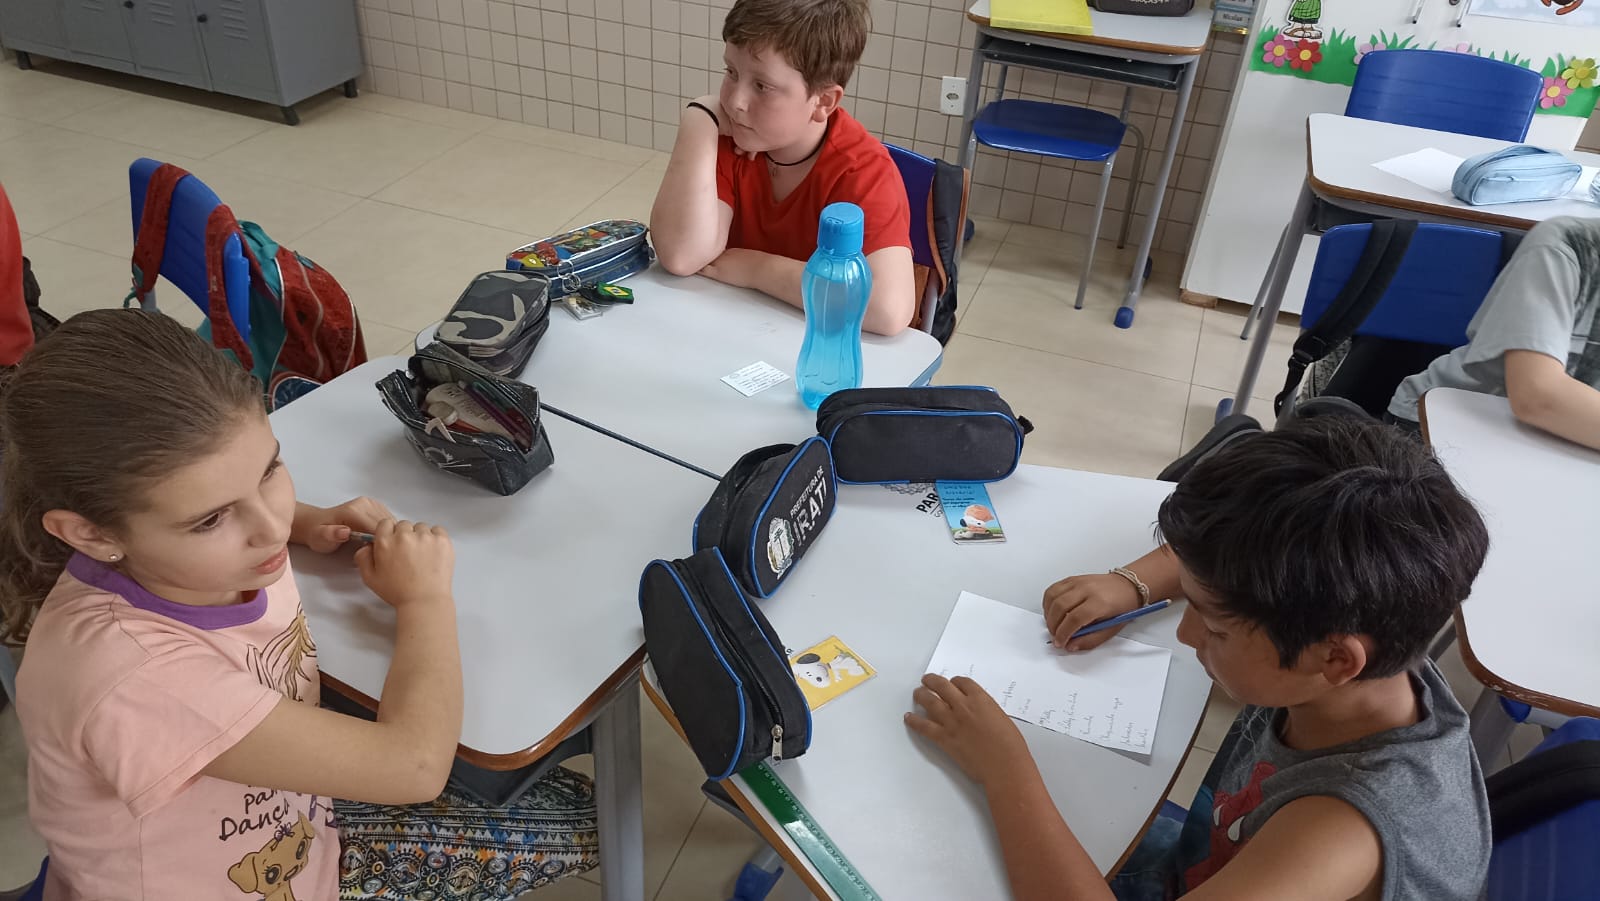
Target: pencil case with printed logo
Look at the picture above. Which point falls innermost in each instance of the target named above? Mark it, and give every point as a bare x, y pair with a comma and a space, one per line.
601, 252
768, 510
720, 665
466, 421
1515, 174
952, 433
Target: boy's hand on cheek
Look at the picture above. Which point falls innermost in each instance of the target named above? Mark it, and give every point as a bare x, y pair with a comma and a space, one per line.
966, 723
325, 530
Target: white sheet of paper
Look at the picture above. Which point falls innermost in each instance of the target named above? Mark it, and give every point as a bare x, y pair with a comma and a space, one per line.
755, 378
1430, 168
1110, 696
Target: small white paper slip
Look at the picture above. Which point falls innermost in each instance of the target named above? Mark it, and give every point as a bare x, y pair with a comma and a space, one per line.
1432, 169
1110, 696
755, 378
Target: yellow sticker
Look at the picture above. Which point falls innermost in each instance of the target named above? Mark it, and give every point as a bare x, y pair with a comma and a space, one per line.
828, 670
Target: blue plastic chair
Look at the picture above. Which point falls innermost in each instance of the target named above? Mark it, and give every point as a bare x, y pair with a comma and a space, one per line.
1445, 275
184, 263
917, 172
1441, 90
1060, 132
1445, 91
1554, 859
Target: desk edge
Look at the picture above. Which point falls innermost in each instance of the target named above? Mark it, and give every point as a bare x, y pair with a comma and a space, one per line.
536, 752
1168, 49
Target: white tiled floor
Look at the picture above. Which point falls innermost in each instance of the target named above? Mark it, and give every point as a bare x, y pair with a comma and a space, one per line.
403, 202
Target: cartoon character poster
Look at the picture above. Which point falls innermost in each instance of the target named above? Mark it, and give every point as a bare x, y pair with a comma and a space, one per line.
1550, 12
828, 670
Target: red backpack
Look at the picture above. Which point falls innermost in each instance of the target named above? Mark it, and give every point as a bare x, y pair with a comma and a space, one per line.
303, 327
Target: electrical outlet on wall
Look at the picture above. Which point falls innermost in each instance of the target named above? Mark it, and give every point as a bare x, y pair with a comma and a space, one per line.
953, 95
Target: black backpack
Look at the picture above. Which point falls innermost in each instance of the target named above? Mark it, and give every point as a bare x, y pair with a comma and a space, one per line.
43, 323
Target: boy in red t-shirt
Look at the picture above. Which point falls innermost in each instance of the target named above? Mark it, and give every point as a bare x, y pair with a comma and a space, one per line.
16, 328
754, 165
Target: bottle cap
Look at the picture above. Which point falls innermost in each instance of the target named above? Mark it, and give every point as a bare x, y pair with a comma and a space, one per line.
840, 229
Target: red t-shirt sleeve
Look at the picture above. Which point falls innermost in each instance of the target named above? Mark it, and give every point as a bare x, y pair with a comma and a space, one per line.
16, 329
881, 194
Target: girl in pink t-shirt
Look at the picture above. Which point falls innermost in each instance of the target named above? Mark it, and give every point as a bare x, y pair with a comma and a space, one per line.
170, 693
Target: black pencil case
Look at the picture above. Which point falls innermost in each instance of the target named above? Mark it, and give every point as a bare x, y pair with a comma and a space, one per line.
947, 433
768, 510
720, 665
499, 463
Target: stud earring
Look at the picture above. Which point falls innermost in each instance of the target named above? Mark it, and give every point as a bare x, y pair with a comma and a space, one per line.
115, 557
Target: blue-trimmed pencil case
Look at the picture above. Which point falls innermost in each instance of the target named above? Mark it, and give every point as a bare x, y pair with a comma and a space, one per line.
768, 511
1515, 174
601, 252
950, 433
721, 666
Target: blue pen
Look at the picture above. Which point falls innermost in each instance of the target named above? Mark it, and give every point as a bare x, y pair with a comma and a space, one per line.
1119, 619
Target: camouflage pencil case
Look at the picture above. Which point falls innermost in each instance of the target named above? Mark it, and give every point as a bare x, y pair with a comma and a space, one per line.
498, 320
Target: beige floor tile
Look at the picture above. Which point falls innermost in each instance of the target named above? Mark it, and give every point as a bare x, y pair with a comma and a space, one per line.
1220, 357
73, 279
1026, 299
343, 149
52, 91
1189, 778
507, 184
178, 126
631, 198
286, 209
21, 849
1220, 713
384, 339
672, 797
53, 176
1085, 415
717, 848
404, 267
458, 120
577, 150
11, 127
573, 888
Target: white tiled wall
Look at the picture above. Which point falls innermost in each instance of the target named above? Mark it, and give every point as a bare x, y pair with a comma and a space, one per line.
621, 69
574, 65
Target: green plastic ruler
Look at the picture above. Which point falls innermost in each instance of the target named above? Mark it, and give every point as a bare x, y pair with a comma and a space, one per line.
841, 876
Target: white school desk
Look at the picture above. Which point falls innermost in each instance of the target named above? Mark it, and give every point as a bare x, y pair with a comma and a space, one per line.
883, 577
1340, 152
1531, 628
652, 371
546, 587
1161, 52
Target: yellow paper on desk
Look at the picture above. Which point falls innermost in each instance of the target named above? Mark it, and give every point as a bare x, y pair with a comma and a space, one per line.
828, 670
1049, 16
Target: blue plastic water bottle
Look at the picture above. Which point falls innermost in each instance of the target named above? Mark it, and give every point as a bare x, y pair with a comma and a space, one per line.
837, 284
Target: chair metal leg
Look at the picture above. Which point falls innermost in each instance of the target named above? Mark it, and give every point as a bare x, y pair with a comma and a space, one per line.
1140, 148
1094, 230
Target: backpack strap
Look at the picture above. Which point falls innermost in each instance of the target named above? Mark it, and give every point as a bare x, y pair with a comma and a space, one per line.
1537, 788
1369, 281
151, 246
947, 218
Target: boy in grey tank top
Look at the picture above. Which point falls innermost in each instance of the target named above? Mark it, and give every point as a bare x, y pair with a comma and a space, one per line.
1317, 562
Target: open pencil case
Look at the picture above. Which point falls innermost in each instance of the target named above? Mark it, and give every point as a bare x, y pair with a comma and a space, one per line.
598, 253
946, 433
768, 510
720, 665
466, 421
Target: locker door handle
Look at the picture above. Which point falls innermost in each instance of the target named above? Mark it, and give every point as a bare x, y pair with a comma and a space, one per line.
127, 4
202, 18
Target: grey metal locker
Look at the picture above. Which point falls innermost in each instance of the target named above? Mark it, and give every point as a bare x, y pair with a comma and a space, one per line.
165, 43
235, 39
98, 29
36, 21
276, 51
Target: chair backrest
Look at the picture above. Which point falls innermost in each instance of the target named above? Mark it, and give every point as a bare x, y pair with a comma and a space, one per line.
916, 171
184, 262
1554, 858
1446, 273
1446, 91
